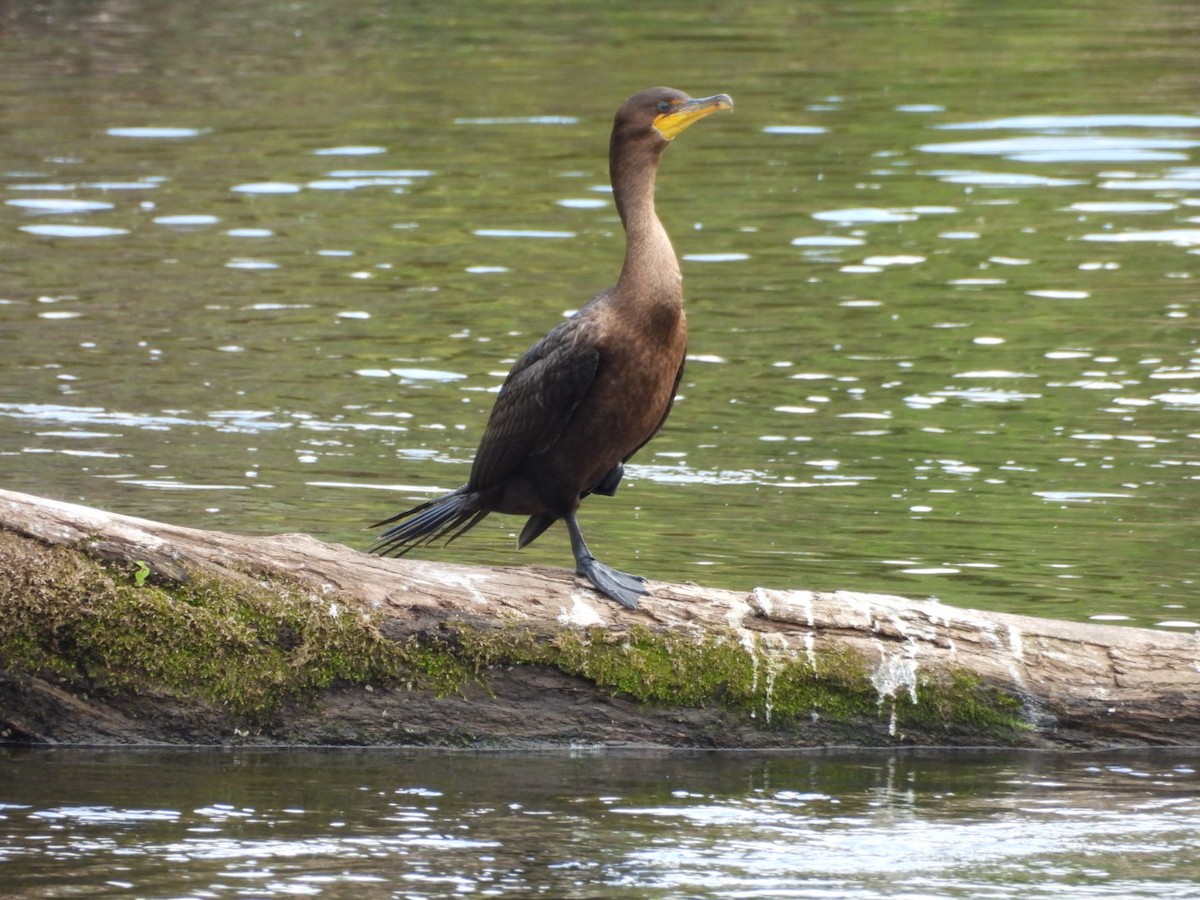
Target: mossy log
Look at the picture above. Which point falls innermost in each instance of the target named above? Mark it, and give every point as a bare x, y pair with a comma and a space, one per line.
122, 630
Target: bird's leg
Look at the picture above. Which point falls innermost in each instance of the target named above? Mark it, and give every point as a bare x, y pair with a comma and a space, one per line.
608, 484
620, 586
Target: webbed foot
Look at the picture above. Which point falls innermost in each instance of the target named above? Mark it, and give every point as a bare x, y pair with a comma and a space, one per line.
620, 586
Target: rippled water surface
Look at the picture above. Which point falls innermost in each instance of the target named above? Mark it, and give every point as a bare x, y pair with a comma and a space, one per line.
209, 823
264, 267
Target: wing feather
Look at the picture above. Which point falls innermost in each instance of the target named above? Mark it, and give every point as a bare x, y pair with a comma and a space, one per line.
537, 401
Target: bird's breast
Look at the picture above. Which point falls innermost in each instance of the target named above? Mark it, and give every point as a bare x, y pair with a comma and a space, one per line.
632, 393
639, 356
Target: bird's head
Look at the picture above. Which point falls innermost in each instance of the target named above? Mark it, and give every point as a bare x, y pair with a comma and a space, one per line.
662, 113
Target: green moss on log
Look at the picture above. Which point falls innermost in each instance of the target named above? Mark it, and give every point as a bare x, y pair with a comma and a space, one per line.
250, 647
741, 674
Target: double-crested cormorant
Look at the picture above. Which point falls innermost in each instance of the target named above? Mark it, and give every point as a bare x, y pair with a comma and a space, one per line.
598, 386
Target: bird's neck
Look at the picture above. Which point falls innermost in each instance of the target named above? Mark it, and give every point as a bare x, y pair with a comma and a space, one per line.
650, 275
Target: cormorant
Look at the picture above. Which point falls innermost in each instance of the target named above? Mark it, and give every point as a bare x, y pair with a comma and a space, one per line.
598, 386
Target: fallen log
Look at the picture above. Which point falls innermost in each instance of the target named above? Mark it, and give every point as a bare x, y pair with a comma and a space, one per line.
122, 630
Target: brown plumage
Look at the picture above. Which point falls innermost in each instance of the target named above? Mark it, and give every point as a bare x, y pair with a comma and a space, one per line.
598, 386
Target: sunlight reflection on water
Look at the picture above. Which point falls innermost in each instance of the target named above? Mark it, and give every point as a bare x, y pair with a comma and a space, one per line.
847, 302
601, 825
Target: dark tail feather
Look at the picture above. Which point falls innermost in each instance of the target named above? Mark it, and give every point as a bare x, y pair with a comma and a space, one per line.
453, 514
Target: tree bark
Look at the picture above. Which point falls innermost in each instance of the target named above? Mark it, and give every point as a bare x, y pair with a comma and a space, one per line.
549, 661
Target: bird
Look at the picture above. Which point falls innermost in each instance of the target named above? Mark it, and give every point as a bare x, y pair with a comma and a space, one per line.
592, 391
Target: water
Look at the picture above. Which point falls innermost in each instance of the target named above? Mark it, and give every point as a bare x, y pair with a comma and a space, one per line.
265, 268
209, 823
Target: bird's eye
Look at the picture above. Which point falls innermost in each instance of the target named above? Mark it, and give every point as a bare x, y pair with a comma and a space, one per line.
664, 106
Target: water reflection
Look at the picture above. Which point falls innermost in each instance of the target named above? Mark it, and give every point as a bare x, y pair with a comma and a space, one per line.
222, 823
59, 205
1041, 149
73, 231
